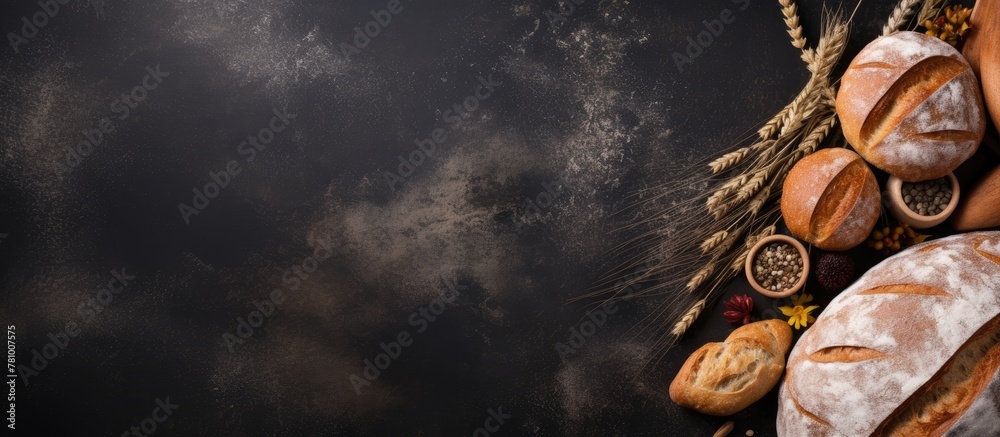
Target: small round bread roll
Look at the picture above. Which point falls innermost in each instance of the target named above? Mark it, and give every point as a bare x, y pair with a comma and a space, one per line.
910, 105
831, 199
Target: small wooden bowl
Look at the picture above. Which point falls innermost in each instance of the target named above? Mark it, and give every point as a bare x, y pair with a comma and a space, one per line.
777, 238
894, 201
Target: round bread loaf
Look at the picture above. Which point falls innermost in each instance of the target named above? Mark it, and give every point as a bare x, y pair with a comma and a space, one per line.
831, 199
910, 105
910, 349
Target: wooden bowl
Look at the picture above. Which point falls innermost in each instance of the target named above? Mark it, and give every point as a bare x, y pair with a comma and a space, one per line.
778, 238
894, 201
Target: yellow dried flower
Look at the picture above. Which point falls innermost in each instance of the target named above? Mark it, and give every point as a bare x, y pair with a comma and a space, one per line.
798, 315
951, 26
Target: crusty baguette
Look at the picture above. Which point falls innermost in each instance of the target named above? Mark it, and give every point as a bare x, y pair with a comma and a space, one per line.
910, 105
831, 199
723, 378
910, 349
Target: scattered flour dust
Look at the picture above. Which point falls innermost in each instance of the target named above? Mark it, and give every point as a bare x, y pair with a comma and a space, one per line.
604, 115
38, 132
584, 395
250, 38
441, 224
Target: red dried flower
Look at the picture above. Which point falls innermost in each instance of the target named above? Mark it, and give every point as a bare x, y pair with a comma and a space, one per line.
739, 309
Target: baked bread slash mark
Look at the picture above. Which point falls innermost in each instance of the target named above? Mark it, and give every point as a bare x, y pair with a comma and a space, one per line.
925, 290
845, 354
915, 86
936, 406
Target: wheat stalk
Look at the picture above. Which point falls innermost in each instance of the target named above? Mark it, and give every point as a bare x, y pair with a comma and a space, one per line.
718, 199
700, 277
715, 201
762, 145
811, 98
830, 96
714, 241
791, 13
800, 107
808, 55
830, 48
722, 209
816, 137
726, 244
732, 184
753, 186
729, 160
689, 317
759, 200
900, 15
772, 126
740, 261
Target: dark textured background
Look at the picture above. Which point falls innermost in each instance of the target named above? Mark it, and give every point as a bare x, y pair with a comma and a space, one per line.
594, 102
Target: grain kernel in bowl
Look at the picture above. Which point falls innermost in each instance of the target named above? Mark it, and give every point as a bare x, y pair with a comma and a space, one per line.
777, 267
928, 198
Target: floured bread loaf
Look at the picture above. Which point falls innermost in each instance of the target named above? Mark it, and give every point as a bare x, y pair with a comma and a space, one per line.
910, 105
831, 199
911, 349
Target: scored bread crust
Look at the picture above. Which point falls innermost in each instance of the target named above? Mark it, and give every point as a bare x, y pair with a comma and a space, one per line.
887, 339
831, 199
723, 378
910, 105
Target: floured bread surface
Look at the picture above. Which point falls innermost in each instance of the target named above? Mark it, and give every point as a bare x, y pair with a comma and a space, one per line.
911, 347
910, 105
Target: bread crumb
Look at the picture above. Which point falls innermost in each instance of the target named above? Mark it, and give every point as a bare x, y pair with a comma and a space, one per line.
749, 433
